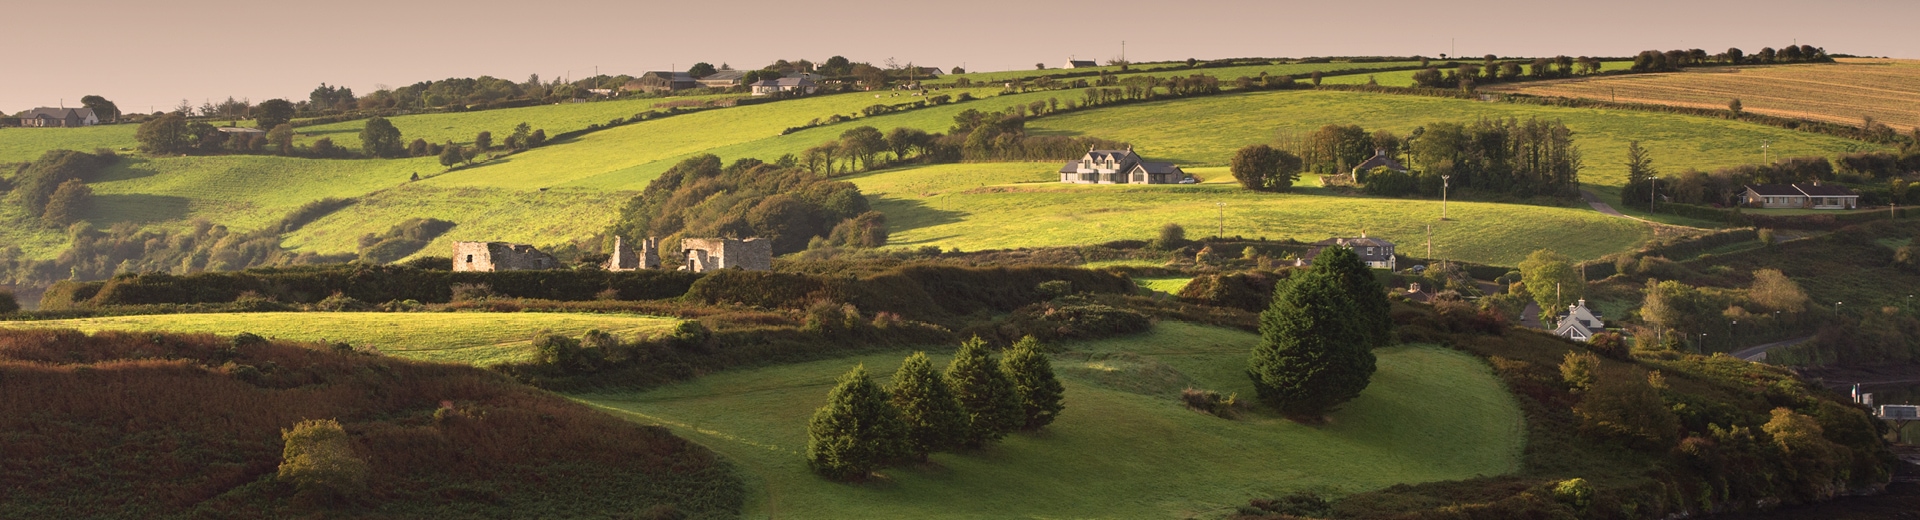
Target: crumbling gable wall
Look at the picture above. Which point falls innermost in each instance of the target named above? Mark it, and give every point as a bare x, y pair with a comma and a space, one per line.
708, 254
500, 256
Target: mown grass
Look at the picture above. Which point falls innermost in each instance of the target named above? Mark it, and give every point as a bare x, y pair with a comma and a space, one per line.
1833, 92
1124, 448
455, 337
978, 206
1208, 130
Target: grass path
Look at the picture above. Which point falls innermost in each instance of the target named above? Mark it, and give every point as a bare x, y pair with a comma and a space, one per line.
458, 337
1124, 447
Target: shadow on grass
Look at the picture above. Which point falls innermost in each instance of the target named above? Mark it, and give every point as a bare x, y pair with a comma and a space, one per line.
138, 208
127, 168
908, 215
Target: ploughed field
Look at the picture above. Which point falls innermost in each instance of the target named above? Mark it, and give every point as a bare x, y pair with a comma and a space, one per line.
453, 337
1843, 92
1125, 447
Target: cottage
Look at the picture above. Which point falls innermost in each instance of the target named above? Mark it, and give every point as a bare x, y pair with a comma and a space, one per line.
661, 81
1800, 196
500, 256
48, 117
1379, 159
1377, 253
723, 79
1079, 64
1119, 167
625, 259
709, 254
792, 85
1579, 323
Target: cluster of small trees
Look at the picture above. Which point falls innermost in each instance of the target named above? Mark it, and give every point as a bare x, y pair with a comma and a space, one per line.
749, 198
1492, 70
54, 187
1654, 61
975, 402
1317, 337
975, 136
1511, 156
1263, 168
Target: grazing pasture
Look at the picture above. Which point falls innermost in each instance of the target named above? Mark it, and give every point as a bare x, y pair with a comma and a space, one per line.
1404, 78
1125, 447
1845, 92
449, 337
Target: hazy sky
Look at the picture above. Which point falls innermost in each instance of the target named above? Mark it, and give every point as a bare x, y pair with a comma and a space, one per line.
149, 54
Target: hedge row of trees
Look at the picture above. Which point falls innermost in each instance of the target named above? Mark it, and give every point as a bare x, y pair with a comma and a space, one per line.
53, 187
749, 198
1509, 156
975, 402
975, 136
1724, 186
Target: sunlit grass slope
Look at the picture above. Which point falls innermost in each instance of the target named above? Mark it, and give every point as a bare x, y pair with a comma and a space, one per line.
453, 337
1124, 448
1842, 92
980, 206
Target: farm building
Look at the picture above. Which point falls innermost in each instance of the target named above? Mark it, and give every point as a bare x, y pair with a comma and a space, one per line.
1377, 253
1800, 196
723, 79
48, 117
709, 254
661, 81
793, 85
500, 256
1579, 323
1119, 167
1079, 64
1379, 159
625, 259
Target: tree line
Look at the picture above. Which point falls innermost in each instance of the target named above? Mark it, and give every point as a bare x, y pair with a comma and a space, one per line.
1504, 156
1725, 186
976, 401
974, 136
174, 134
780, 202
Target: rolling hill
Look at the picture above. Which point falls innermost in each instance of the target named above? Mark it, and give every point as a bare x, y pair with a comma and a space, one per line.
1843, 92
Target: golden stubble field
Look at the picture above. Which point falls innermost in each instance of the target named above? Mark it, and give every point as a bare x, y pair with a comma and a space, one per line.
1844, 92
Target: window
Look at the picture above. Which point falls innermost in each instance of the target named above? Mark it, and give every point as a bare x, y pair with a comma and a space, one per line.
469, 259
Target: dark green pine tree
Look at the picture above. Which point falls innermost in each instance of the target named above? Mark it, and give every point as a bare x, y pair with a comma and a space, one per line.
1374, 317
1315, 349
857, 432
930, 415
1040, 392
991, 402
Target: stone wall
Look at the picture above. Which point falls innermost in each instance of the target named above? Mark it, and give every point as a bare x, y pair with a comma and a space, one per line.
500, 256
707, 254
624, 258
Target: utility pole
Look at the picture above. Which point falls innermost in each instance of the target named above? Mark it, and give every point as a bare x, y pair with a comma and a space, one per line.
1653, 186
1429, 241
1443, 196
1766, 149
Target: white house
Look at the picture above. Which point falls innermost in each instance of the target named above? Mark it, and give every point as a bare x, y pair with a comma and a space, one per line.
1119, 167
1580, 323
59, 117
1079, 64
1800, 196
801, 85
1377, 253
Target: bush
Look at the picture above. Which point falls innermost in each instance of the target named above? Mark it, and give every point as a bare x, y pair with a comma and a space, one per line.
8, 303
341, 303
472, 292
1171, 237
1212, 403
319, 461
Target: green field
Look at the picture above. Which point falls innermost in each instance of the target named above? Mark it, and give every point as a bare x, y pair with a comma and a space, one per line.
461, 127
1169, 285
1206, 131
26, 144
979, 206
450, 337
1404, 78
1124, 448
1224, 73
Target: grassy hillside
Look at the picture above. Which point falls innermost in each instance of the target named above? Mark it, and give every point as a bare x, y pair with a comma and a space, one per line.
460, 127
1124, 448
1835, 92
146, 426
1206, 131
26, 144
1004, 205
458, 337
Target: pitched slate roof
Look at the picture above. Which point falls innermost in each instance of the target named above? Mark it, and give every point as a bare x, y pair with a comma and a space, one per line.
57, 113
1082, 63
786, 82
725, 75
1775, 190
1824, 190
1379, 159
1160, 167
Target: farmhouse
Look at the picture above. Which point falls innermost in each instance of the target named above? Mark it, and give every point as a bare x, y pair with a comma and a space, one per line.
723, 79
1579, 323
661, 81
1079, 64
1119, 167
1379, 159
1801, 196
48, 117
624, 258
709, 254
500, 256
792, 85
1377, 253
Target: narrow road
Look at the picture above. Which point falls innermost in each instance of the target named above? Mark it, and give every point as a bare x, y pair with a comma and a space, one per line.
1759, 352
1530, 318
1602, 207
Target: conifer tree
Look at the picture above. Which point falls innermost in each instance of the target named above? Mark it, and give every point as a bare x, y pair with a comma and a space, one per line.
932, 418
1040, 392
1315, 347
986, 394
857, 432
1369, 297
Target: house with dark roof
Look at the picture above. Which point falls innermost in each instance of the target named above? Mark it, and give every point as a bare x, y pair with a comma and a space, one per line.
723, 79
661, 81
1579, 323
1079, 64
1119, 167
49, 117
1379, 159
1377, 253
1800, 196
799, 85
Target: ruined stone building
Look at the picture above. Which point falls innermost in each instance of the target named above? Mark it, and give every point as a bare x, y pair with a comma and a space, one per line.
625, 259
708, 254
499, 256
